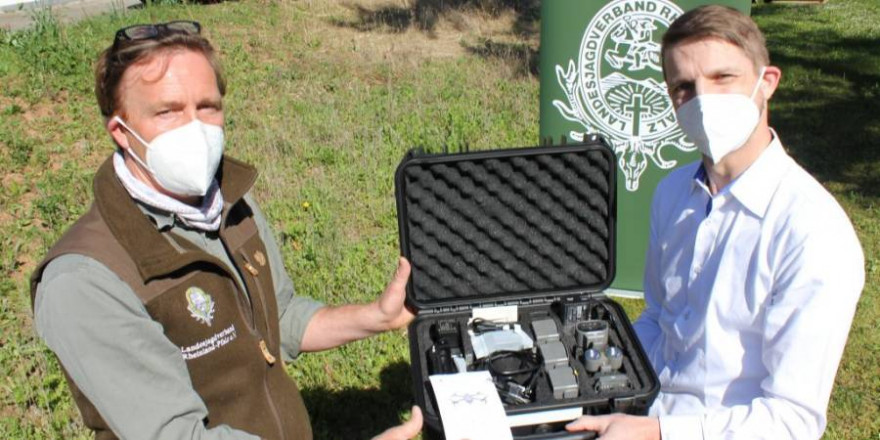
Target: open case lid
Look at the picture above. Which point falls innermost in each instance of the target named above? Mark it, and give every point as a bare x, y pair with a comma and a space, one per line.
504, 226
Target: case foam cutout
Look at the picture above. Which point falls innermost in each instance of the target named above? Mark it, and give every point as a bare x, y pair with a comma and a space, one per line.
507, 225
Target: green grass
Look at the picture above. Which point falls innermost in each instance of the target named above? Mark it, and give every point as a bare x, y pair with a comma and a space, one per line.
325, 100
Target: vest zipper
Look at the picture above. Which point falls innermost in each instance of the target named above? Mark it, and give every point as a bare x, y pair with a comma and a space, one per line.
266, 353
253, 270
264, 347
274, 410
256, 273
245, 305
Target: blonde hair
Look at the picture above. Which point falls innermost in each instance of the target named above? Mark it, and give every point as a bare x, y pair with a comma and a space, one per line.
117, 58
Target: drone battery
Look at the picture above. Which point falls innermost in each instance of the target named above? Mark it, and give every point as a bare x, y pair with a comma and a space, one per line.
545, 331
554, 355
563, 382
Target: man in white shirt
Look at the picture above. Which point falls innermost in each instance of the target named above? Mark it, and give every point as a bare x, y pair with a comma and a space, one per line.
753, 270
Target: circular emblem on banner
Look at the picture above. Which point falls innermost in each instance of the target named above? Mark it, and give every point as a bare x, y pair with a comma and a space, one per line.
616, 87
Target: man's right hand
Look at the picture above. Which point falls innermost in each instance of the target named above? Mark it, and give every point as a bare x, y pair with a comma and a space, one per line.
618, 426
406, 430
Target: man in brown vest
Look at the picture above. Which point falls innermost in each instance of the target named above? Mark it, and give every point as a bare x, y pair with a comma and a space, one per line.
167, 303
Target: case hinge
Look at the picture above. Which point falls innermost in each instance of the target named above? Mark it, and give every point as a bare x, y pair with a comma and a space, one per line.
447, 309
538, 300
516, 302
489, 304
580, 297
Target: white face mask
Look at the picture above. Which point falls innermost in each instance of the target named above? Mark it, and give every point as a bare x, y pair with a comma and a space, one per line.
183, 160
720, 123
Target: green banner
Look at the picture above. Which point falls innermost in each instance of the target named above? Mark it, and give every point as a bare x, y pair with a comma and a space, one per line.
601, 73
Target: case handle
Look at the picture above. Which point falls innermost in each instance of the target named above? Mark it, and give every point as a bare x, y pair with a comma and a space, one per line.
562, 435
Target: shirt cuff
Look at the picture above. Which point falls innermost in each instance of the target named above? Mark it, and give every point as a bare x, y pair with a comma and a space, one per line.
681, 428
293, 325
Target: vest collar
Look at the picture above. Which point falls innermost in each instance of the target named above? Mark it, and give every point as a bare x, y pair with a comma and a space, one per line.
151, 252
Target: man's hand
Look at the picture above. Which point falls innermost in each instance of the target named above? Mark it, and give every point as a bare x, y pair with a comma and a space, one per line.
333, 326
408, 429
618, 427
393, 313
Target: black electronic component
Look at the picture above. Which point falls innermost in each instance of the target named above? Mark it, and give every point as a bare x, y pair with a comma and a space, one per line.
480, 325
585, 311
440, 360
513, 393
444, 329
515, 374
445, 355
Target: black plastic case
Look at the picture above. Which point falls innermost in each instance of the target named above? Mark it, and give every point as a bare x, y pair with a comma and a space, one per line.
532, 227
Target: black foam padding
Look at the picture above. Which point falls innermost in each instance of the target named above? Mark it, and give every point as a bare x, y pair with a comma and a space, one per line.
509, 224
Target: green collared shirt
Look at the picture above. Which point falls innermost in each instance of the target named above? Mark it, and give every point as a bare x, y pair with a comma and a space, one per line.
120, 358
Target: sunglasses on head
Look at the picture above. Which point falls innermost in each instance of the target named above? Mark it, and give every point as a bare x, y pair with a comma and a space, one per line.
150, 31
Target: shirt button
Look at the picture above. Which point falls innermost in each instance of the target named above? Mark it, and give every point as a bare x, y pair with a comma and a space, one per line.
687, 314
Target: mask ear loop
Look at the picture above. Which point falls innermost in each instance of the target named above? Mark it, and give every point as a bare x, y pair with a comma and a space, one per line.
140, 139
757, 84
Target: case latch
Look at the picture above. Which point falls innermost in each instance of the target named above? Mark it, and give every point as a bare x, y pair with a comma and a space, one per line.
623, 404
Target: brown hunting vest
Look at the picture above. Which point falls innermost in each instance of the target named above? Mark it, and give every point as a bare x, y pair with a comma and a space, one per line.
230, 344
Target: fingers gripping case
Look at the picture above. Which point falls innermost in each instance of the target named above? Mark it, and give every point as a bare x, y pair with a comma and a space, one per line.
532, 228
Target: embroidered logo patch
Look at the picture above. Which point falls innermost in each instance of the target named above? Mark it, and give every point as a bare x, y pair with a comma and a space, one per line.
201, 305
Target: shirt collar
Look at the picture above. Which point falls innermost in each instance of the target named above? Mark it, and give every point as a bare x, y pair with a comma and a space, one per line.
756, 186
164, 221
153, 255
701, 181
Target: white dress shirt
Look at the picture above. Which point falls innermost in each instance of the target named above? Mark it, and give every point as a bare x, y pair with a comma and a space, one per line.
749, 299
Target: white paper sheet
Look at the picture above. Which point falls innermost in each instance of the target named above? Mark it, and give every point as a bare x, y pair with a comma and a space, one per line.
496, 314
470, 407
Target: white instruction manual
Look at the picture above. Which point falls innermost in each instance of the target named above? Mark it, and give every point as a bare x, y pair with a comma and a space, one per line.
470, 407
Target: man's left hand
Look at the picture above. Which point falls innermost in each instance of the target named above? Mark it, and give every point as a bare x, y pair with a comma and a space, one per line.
332, 326
618, 427
393, 313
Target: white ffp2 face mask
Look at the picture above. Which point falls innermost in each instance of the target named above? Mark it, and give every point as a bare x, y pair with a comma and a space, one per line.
183, 160
720, 123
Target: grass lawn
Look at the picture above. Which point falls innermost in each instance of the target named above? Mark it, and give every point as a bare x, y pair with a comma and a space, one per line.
324, 98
